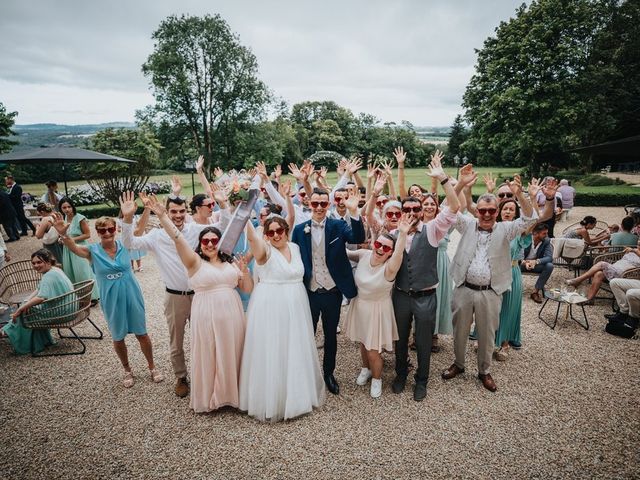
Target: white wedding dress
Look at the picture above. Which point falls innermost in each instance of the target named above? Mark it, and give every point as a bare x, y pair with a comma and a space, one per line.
280, 375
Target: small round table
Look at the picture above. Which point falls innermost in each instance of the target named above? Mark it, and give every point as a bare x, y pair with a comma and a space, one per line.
569, 299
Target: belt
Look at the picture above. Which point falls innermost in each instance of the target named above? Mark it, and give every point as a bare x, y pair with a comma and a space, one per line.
178, 292
477, 287
324, 290
419, 293
515, 263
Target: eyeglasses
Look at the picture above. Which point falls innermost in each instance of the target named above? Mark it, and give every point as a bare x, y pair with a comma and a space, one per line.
319, 204
505, 194
381, 203
339, 199
102, 231
302, 194
207, 241
385, 248
271, 233
412, 209
394, 214
489, 211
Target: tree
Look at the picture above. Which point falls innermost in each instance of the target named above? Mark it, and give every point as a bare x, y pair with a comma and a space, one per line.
111, 179
323, 126
204, 79
6, 122
530, 100
457, 137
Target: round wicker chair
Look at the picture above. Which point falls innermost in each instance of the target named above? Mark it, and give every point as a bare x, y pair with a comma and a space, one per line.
18, 281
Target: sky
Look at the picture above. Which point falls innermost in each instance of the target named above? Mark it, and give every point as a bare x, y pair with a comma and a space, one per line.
71, 62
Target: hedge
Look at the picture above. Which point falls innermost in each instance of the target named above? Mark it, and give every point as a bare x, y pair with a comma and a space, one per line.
605, 199
102, 211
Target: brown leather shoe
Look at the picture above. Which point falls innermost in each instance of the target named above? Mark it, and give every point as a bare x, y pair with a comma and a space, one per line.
488, 382
451, 372
535, 296
182, 387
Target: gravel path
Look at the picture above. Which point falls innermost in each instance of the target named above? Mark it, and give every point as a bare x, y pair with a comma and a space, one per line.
566, 406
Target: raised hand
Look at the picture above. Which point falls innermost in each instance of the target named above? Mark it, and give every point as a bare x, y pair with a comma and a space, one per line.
128, 205
387, 166
295, 172
515, 185
200, 164
354, 165
380, 183
176, 185
372, 170
277, 172
218, 172
219, 194
400, 155
322, 173
352, 204
285, 188
251, 173
156, 206
467, 176
261, 168
342, 167
241, 263
406, 222
144, 198
435, 167
490, 182
307, 169
59, 224
550, 188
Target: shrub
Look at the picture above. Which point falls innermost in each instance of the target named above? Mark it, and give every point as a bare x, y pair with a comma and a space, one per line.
604, 199
596, 180
85, 195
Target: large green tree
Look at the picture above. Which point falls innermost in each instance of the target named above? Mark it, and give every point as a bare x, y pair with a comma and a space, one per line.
7, 120
205, 80
459, 134
111, 179
530, 99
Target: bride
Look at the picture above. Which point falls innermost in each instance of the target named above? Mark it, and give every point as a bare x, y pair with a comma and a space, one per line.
280, 376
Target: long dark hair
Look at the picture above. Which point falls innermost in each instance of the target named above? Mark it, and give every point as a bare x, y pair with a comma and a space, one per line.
202, 234
501, 206
64, 200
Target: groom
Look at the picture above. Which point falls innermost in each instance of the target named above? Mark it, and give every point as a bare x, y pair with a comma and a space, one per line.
327, 271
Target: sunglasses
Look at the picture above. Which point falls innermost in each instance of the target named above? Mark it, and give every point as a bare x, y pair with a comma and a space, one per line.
302, 194
319, 204
381, 203
361, 203
340, 199
489, 211
385, 248
271, 233
208, 204
263, 215
102, 231
412, 209
207, 241
394, 214
507, 194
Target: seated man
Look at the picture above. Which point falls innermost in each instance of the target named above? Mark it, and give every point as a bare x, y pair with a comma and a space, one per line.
538, 258
627, 293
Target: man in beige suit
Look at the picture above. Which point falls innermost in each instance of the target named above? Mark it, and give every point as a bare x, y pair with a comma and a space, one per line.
481, 272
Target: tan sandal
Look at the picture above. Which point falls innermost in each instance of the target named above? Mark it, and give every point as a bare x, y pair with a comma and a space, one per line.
156, 376
128, 379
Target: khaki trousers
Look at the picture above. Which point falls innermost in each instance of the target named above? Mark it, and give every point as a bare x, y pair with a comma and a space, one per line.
177, 309
485, 306
627, 293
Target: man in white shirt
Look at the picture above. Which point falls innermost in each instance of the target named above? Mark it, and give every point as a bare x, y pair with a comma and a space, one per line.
178, 295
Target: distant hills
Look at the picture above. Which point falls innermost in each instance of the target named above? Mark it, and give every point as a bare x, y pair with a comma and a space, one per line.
46, 134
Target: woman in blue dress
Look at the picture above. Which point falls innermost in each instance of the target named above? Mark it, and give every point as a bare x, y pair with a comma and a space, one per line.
53, 284
122, 302
75, 267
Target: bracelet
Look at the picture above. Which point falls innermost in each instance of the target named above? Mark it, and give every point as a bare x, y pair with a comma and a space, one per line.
443, 182
176, 233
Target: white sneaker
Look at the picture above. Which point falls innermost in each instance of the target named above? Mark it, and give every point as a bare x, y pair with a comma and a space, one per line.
363, 378
376, 387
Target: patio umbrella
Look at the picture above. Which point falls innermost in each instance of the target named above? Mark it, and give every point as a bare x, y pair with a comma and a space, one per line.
61, 155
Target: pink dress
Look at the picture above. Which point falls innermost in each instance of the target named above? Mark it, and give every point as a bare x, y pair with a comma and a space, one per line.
217, 337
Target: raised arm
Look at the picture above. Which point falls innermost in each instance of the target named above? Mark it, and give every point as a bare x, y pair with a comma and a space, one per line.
468, 178
62, 227
388, 170
401, 156
203, 177
371, 202
516, 188
42, 227
395, 262
549, 191
285, 188
142, 222
257, 245
190, 259
436, 171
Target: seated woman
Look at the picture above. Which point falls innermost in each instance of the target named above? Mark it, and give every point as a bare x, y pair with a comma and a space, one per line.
602, 270
624, 238
586, 224
53, 284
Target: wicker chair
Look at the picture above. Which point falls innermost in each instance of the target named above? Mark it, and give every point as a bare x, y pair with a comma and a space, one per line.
18, 281
597, 230
64, 311
612, 257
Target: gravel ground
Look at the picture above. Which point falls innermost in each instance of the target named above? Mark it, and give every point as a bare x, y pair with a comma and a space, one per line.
566, 406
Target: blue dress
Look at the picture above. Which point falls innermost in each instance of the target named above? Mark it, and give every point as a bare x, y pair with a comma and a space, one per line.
444, 315
511, 310
53, 284
120, 294
75, 267
242, 247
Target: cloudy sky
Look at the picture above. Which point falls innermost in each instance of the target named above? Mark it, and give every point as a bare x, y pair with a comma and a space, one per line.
79, 62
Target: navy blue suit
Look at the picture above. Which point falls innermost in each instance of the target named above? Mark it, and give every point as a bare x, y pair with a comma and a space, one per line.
337, 234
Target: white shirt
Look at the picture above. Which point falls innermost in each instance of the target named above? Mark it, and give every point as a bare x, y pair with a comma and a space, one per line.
173, 272
533, 251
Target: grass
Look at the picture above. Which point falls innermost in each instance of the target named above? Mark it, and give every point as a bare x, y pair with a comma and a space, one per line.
413, 175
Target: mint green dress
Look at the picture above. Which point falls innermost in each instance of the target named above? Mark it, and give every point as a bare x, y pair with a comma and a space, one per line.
53, 284
511, 310
75, 267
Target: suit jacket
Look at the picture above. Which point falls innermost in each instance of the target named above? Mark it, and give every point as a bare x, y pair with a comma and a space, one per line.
16, 197
7, 212
337, 234
544, 252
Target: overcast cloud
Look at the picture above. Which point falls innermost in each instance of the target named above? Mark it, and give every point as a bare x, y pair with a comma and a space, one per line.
80, 62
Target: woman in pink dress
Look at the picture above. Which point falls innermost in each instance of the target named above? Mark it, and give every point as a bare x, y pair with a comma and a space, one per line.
217, 318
